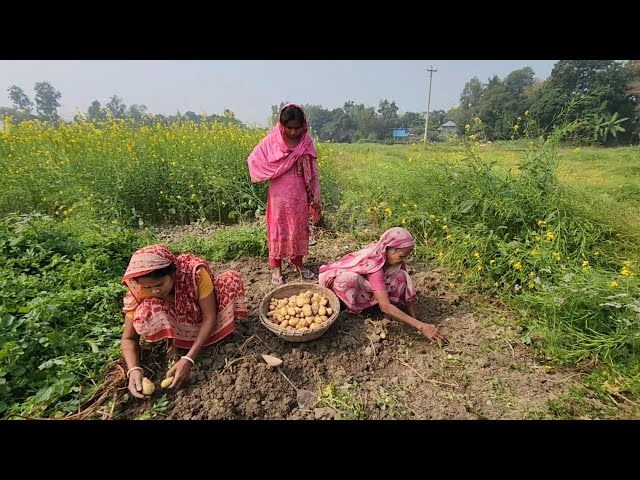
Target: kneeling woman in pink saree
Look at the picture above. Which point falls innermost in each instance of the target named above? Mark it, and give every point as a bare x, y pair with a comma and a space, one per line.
377, 274
178, 298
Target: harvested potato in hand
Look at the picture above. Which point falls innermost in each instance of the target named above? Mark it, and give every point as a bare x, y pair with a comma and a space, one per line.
166, 382
147, 386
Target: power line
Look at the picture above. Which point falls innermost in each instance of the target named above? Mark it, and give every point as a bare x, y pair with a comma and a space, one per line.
426, 122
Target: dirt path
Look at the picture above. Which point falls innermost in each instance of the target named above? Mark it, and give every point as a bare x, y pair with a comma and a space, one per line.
485, 371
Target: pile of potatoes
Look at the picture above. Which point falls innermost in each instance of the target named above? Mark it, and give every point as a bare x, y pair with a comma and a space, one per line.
306, 311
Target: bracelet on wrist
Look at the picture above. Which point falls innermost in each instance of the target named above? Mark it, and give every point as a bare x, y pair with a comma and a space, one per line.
186, 357
134, 368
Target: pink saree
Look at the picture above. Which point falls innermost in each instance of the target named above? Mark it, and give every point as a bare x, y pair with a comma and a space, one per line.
155, 319
294, 191
347, 277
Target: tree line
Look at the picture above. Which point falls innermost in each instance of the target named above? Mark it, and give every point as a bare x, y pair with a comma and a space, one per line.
604, 93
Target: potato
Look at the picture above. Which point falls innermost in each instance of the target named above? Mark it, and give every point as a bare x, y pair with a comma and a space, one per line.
284, 311
329, 311
306, 309
272, 307
284, 324
323, 302
300, 301
291, 311
147, 386
166, 382
322, 311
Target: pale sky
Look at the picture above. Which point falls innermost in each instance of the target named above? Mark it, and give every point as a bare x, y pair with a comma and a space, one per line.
250, 87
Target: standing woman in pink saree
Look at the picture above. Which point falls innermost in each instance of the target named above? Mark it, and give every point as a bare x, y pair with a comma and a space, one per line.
287, 158
377, 274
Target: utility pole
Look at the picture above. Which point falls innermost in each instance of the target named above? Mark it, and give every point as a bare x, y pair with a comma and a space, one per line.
426, 122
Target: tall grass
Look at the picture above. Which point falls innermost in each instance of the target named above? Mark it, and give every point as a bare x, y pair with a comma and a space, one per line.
517, 232
164, 174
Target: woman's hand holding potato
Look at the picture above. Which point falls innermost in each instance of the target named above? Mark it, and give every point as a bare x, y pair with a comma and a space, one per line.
135, 383
180, 371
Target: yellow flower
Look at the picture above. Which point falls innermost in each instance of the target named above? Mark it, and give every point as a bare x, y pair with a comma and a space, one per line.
585, 264
541, 223
526, 113
445, 227
614, 284
492, 261
476, 254
480, 267
550, 236
556, 255
576, 150
467, 127
517, 265
626, 272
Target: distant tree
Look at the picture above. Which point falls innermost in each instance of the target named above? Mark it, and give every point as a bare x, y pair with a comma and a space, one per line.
317, 117
436, 118
388, 110
275, 111
96, 111
16, 115
470, 99
634, 93
193, 116
634, 80
601, 85
137, 112
47, 101
116, 107
20, 99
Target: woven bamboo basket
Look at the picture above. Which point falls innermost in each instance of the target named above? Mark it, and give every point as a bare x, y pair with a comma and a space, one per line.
295, 289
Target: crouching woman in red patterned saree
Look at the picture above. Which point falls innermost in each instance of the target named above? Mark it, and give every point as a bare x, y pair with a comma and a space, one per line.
177, 298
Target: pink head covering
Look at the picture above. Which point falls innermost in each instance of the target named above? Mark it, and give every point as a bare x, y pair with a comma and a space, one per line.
371, 258
146, 260
272, 157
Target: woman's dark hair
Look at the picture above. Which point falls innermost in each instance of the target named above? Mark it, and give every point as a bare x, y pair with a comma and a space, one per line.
291, 113
159, 273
